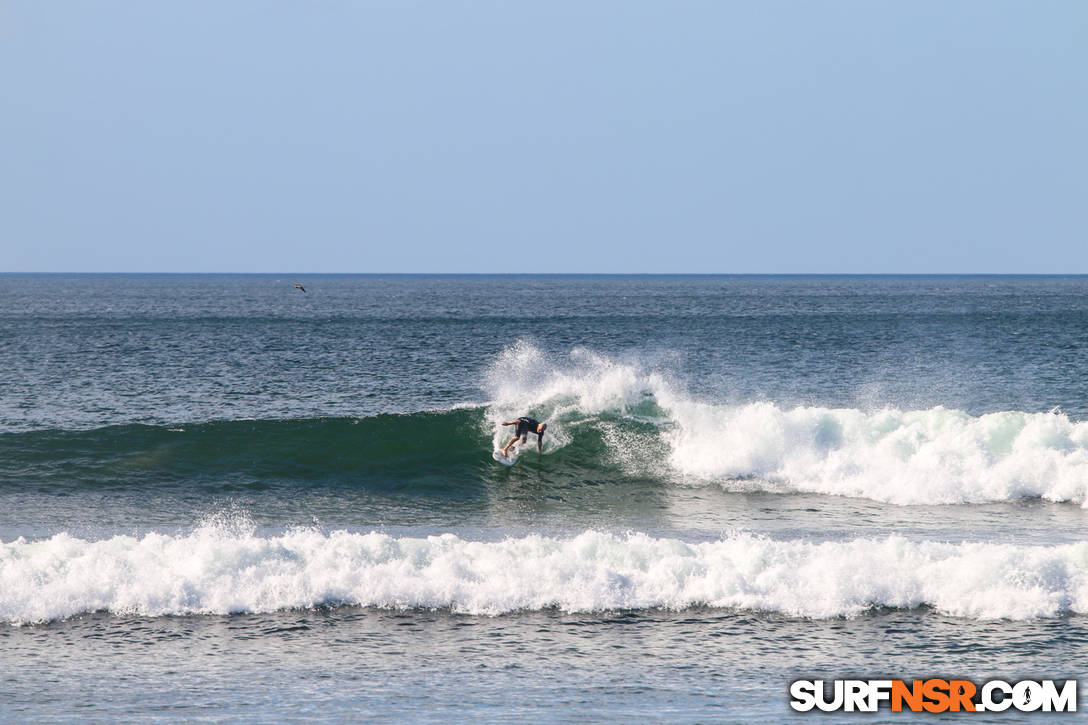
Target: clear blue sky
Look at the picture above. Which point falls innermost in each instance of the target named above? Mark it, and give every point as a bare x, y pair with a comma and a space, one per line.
544, 136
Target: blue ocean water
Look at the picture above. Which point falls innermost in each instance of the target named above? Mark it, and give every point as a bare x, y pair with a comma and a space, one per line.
223, 497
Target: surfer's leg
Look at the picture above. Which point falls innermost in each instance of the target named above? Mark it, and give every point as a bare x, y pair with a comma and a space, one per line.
507, 446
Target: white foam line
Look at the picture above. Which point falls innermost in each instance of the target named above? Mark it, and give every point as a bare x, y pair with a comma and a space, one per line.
219, 570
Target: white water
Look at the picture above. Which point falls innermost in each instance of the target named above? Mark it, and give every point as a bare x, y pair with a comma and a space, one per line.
935, 456
219, 570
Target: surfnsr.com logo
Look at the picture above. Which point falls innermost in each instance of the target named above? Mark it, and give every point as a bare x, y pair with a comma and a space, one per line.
934, 695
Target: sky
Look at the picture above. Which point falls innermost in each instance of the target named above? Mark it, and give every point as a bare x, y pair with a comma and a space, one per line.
544, 136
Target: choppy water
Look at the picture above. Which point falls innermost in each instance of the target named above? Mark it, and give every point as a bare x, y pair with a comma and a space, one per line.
259, 503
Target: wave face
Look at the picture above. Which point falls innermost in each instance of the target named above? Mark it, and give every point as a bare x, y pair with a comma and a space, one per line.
224, 569
609, 420
383, 448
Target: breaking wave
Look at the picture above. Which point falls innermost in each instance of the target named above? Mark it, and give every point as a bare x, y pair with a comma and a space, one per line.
221, 569
937, 456
608, 420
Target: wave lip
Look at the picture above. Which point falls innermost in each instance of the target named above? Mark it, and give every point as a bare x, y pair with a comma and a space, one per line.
222, 570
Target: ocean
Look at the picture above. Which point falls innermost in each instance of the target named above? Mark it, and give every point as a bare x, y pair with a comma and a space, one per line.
224, 498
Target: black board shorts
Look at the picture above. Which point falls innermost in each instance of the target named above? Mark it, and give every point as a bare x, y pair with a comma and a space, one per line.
526, 425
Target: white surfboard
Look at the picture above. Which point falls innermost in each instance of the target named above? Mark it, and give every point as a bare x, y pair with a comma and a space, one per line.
504, 460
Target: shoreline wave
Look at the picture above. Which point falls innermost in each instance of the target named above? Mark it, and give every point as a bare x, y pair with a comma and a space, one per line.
220, 569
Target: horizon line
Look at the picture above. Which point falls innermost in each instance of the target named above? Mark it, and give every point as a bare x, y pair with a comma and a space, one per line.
563, 274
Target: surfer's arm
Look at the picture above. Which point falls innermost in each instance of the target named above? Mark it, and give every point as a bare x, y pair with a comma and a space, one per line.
510, 422
540, 444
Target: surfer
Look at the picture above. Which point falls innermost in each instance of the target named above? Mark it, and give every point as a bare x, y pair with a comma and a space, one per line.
525, 426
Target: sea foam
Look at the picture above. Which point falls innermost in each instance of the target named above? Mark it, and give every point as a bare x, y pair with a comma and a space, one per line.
220, 570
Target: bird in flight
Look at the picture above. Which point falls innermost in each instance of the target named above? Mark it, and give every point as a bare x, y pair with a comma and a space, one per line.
298, 286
